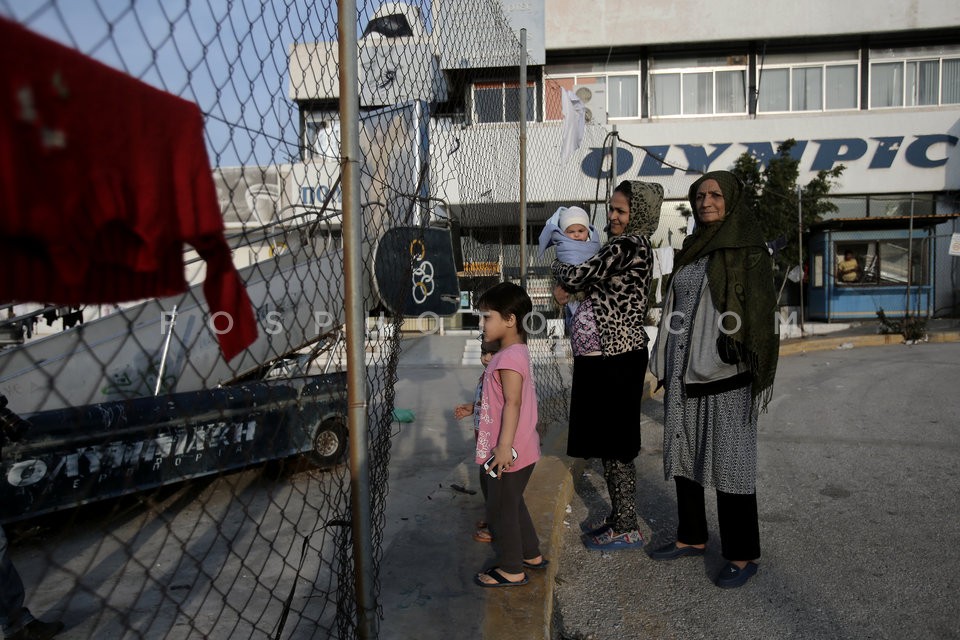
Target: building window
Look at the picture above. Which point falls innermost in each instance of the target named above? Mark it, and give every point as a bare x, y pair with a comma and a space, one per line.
894, 205
923, 83
807, 89
698, 87
731, 91
623, 96
666, 94
774, 90
914, 83
321, 137
811, 82
848, 207
818, 270
886, 85
886, 205
850, 260
697, 94
950, 93
616, 95
900, 265
914, 77
552, 96
842, 87
500, 102
883, 263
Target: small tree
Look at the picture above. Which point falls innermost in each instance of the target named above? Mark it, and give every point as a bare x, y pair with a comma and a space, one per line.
771, 192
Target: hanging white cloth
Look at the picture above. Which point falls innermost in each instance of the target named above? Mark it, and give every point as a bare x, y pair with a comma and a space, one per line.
574, 121
663, 261
662, 267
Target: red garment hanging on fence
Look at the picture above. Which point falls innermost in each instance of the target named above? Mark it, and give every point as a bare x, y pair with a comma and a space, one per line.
102, 180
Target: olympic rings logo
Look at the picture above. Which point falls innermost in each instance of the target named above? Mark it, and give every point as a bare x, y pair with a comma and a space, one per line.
417, 249
422, 272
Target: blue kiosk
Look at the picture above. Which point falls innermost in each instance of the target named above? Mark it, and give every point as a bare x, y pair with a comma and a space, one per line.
860, 266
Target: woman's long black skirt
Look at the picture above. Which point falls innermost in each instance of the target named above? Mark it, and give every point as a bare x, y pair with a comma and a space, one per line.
605, 406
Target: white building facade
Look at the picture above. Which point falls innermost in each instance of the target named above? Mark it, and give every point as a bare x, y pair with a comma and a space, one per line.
689, 86
874, 86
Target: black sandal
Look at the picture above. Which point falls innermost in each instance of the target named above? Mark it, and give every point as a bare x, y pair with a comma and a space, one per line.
536, 565
501, 580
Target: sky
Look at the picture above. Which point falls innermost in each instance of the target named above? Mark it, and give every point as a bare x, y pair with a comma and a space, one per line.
228, 56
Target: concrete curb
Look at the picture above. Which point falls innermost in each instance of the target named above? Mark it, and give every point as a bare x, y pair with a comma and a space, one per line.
528, 612
804, 345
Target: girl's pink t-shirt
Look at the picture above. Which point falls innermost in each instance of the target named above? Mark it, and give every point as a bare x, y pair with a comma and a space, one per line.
516, 357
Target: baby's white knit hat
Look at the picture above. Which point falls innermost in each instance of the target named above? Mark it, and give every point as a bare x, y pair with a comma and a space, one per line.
574, 215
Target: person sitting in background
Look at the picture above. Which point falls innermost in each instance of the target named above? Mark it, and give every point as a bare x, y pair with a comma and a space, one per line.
848, 270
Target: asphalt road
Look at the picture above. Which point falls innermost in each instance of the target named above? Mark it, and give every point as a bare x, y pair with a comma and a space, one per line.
858, 482
858, 488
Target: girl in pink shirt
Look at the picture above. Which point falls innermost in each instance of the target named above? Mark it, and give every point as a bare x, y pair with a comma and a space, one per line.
508, 423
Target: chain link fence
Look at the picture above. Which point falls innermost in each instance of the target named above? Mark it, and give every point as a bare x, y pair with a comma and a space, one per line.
168, 474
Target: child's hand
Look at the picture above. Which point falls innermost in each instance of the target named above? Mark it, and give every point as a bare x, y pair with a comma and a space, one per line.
461, 411
503, 459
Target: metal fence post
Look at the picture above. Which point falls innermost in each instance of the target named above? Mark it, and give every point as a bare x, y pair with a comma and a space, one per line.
800, 250
906, 305
355, 321
523, 158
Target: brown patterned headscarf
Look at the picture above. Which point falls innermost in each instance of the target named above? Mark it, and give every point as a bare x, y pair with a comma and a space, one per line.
646, 199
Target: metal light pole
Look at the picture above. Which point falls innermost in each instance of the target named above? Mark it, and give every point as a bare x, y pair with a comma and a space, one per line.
355, 321
909, 268
800, 251
523, 158
614, 170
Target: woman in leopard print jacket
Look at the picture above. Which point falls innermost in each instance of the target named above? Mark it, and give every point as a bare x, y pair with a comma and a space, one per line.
610, 354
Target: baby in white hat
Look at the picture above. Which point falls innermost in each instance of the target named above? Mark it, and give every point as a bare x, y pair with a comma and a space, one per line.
575, 224
570, 231
576, 241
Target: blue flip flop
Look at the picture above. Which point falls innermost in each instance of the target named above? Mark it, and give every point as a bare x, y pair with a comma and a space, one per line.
596, 529
501, 580
611, 540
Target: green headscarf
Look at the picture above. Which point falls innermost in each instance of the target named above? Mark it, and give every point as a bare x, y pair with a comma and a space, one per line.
740, 273
645, 201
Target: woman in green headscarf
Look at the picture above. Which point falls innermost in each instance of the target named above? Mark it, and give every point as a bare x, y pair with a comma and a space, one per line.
716, 356
610, 355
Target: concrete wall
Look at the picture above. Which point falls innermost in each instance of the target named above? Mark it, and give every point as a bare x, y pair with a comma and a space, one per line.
572, 24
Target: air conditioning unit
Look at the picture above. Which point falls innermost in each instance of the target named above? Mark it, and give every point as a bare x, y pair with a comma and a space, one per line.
594, 99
